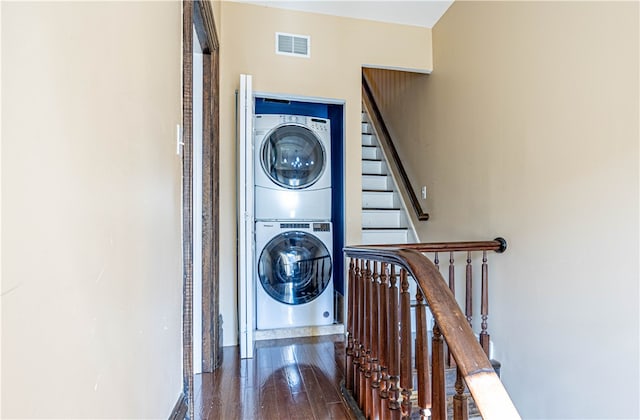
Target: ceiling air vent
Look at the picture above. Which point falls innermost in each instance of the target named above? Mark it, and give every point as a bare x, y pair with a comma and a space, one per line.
290, 44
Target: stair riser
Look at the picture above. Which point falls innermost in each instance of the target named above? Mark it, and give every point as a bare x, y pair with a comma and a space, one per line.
386, 200
374, 167
376, 182
369, 140
365, 128
383, 237
371, 153
388, 218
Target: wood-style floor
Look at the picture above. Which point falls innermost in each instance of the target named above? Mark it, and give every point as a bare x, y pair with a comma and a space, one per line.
287, 379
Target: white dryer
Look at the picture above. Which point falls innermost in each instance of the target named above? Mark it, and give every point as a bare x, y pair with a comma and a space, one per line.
294, 286
292, 167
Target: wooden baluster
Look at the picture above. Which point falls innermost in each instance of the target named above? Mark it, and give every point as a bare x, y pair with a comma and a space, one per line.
356, 323
375, 343
469, 290
384, 345
365, 355
394, 351
350, 326
438, 395
460, 403
484, 308
358, 378
422, 357
452, 274
451, 362
370, 341
406, 373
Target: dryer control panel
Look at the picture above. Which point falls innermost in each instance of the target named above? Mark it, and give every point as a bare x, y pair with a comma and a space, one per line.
321, 227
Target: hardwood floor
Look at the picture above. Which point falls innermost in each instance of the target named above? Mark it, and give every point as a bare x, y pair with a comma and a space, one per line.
287, 379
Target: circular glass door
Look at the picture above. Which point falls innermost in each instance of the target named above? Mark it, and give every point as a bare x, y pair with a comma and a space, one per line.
293, 157
294, 267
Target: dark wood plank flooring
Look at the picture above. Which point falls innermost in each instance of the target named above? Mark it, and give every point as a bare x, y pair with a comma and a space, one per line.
287, 379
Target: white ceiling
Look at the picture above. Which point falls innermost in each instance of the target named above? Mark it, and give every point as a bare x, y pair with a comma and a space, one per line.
423, 13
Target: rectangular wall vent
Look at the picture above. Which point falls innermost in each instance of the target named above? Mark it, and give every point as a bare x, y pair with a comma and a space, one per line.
290, 44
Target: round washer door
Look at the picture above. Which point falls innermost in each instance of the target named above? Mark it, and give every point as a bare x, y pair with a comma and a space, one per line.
293, 157
294, 267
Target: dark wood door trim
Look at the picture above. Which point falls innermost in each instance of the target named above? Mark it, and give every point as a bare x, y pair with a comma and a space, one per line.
187, 200
199, 14
205, 25
210, 216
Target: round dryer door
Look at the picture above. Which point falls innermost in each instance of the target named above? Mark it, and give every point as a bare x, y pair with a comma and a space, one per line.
293, 157
294, 267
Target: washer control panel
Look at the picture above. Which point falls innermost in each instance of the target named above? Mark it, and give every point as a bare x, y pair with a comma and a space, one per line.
319, 124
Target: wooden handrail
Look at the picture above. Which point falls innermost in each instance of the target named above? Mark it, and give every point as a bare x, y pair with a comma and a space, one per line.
375, 117
498, 245
490, 397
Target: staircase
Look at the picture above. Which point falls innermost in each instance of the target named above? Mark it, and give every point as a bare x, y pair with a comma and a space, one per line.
384, 215
385, 221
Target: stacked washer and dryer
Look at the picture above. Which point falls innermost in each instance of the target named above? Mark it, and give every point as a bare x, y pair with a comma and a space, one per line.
293, 229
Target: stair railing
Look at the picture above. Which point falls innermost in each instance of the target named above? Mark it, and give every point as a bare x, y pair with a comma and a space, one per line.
382, 352
379, 126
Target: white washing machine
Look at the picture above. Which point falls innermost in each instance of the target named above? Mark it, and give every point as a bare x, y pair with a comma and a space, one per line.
294, 286
292, 167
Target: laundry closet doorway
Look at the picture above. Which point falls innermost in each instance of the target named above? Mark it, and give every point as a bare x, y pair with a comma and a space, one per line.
289, 199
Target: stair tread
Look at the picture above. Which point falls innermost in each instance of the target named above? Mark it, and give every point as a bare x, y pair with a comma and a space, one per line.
375, 174
372, 160
381, 208
378, 191
369, 145
385, 228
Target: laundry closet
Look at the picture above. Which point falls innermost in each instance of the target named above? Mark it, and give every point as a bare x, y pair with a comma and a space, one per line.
291, 215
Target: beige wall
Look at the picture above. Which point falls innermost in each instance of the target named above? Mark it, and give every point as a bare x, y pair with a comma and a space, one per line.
1, 288
528, 128
91, 274
339, 48
216, 7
